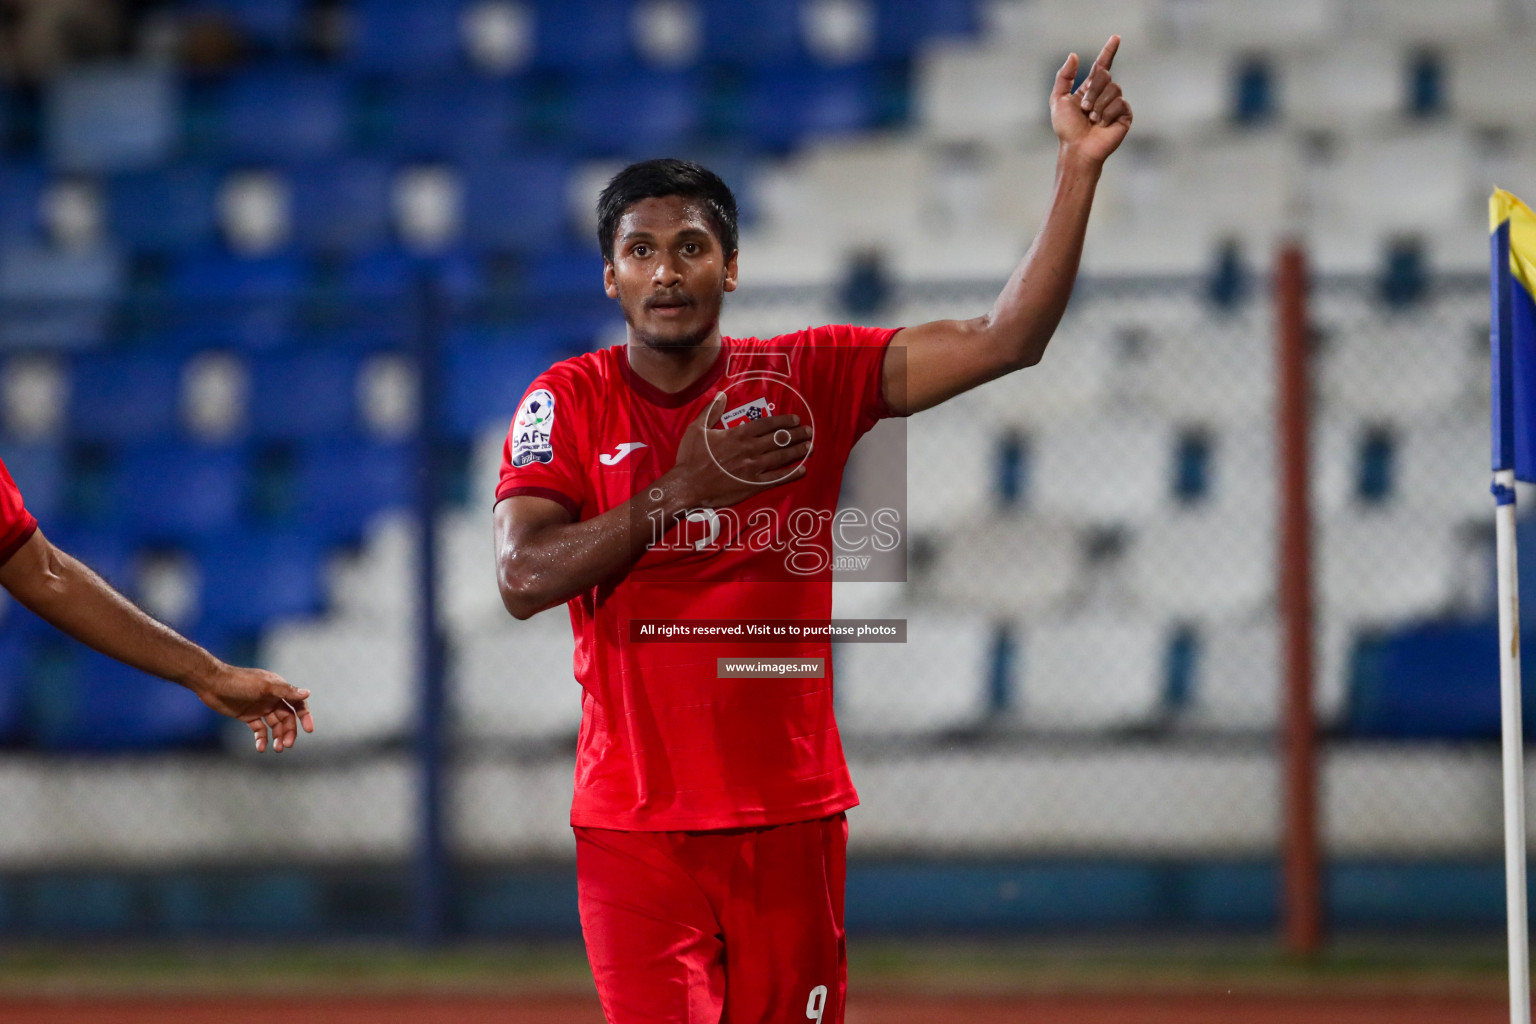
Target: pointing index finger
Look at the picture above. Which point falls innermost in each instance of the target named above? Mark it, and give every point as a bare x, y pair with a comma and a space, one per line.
1106, 56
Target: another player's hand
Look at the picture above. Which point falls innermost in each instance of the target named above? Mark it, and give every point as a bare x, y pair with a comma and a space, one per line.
1095, 116
262, 700
720, 467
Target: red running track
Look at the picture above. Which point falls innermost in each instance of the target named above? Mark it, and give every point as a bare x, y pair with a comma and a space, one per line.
1128, 1008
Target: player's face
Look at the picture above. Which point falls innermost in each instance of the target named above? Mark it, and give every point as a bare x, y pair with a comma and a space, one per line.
669, 272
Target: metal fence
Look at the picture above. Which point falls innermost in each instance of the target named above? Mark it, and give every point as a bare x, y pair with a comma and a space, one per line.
1093, 671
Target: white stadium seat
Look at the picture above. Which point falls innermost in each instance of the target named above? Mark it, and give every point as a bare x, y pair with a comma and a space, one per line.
1489, 84
363, 676
1382, 566
1253, 24
377, 584
939, 680
1176, 92
1348, 84
1117, 246
1420, 23
952, 459
517, 682
868, 599
1011, 566
1243, 477
1240, 185
867, 193
1415, 181
1056, 27
1198, 565
1443, 467
1089, 673
1102, 469
469, 599
1238, 680
993, 189
1222, 372
1335, 463
1072, 380
979, 94
1398, 368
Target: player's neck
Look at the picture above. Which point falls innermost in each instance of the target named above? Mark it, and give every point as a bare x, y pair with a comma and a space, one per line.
673, 370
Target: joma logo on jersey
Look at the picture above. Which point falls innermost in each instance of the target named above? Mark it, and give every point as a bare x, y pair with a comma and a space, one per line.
533, 429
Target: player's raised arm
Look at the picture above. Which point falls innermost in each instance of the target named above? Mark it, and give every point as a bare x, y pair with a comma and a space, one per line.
947, 357
68, 595
544, 559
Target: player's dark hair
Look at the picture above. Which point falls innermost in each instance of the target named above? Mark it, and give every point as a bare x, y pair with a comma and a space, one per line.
652, 179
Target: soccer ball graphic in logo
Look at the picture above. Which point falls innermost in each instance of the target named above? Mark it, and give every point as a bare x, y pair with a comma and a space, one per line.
535, 414
531, 432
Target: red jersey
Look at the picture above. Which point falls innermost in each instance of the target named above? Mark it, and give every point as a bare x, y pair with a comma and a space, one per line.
16, 524
666, 744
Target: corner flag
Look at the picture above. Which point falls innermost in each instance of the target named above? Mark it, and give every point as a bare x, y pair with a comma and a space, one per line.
1512, 334
1513, 279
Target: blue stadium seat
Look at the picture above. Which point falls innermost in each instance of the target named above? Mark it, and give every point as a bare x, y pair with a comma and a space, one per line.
55, 298
39, 470
487, 372
340, 485
452, 118
902, 28
762, 33
21, 191
15, 671
125, 398
785, 106
341, 205
112, 117
163, 491
563, 274
251, 578
304, 395
1432, 680
516, 204
162, 210
284, 116
272, 24
580, 35
405, 36
84, 701
640, 114
231, 301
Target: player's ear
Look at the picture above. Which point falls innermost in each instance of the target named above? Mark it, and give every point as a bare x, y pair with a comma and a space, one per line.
609, 285
730, 272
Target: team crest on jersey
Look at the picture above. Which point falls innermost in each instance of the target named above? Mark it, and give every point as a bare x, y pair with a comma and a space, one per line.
746, 412
531, 429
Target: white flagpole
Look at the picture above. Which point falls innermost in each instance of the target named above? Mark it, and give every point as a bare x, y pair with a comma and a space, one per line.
1514, 752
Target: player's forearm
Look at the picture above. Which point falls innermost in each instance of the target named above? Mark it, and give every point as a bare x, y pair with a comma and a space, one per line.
1031, 304
65, 593
555, 563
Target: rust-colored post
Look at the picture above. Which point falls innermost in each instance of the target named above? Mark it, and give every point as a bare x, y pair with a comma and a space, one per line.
1302, 915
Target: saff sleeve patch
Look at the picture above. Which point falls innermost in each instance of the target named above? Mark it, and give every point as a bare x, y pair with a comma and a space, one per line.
532, 429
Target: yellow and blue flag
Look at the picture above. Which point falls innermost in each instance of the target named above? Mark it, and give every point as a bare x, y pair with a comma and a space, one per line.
1513, 334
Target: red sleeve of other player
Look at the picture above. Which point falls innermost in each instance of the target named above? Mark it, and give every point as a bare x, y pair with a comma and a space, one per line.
543, 453
16, 524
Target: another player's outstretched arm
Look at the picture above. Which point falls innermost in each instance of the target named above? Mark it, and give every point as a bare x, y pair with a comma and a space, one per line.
543, 559
67, 594
947, 357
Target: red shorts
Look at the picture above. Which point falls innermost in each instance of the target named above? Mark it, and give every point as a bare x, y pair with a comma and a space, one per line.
734, 927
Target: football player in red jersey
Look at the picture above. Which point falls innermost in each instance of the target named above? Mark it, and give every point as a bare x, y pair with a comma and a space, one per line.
687, 476
63, 592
